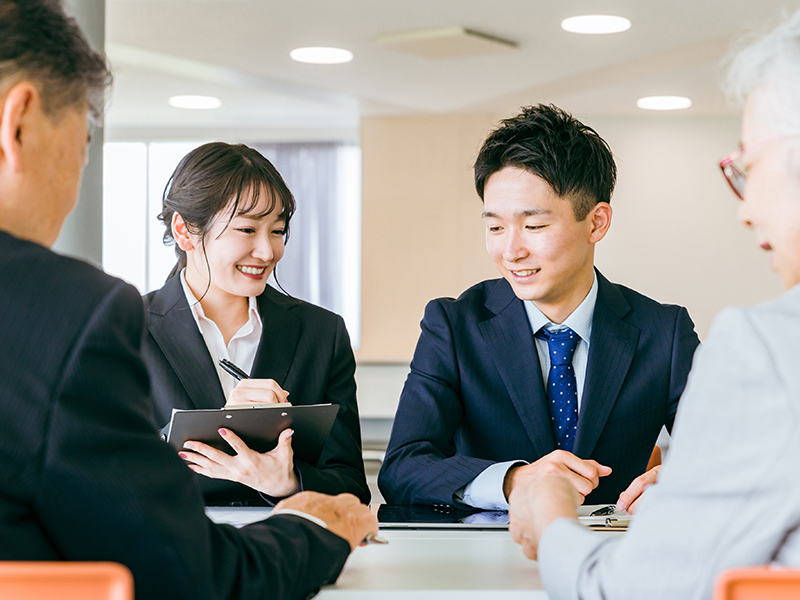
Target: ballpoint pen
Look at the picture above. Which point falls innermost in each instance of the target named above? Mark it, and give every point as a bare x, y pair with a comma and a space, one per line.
233, 370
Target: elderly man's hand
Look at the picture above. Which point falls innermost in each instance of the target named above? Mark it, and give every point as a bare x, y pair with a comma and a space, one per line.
536, 503
344, 514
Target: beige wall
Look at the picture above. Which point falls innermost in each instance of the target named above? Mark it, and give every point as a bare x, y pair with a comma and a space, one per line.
674, 234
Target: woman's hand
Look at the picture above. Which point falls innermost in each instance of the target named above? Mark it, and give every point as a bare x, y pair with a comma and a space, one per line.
271, 473
257, 391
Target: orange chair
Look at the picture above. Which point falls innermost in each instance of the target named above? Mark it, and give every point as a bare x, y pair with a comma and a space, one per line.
65, 581
655, 458
758, 583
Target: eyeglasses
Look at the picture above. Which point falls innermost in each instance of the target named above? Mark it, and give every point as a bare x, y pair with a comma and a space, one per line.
733, 167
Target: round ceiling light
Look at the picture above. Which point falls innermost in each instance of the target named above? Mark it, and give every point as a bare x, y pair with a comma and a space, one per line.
321, 55
195, 102
664, 102
595, 24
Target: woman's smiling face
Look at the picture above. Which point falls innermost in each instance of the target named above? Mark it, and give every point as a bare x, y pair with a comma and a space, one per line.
240, 253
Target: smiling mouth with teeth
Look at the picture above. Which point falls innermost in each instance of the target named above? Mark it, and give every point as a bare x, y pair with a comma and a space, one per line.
526, 272
251, 270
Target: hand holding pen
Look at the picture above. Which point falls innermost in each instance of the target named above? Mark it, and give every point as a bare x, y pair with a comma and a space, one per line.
252, 391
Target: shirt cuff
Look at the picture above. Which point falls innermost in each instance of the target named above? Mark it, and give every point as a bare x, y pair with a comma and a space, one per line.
298, 513
486, 490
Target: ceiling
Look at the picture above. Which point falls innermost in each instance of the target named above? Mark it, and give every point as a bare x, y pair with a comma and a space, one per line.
238, 50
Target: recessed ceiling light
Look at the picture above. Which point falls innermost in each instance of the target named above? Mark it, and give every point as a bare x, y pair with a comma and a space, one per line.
196, 102
663, 102
321, 55
595, 24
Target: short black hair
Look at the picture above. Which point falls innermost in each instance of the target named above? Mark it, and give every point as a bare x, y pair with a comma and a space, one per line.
550, 143
40, 43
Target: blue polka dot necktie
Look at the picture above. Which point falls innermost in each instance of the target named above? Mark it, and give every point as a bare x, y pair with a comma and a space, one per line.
562, 388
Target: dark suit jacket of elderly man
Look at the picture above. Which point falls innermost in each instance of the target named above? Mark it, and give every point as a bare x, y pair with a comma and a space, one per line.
83, 473
475, 394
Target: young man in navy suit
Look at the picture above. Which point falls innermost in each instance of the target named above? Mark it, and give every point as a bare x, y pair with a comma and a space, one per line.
551, 368
83, 473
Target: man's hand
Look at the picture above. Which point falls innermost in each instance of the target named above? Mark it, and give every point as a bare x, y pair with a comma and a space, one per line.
344, 514
257, 391
583, 474
271, 472
629, 499
535, 503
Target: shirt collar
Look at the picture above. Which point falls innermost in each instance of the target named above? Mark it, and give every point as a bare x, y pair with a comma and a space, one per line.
197, 309
580, 321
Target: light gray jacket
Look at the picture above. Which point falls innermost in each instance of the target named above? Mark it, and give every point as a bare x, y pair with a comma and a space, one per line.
729, 492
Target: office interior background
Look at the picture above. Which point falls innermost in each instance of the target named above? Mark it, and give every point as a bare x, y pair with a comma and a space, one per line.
378, 151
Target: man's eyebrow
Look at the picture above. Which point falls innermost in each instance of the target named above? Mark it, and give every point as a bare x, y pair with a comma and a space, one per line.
528, 212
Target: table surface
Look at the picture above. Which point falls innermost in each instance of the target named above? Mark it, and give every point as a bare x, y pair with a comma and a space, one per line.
438, 564
426, 564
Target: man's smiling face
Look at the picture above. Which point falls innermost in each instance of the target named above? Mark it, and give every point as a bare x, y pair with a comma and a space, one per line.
536, 243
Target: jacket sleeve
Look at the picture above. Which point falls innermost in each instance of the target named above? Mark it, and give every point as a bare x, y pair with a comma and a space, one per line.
110, 489
421, 464
340, 467
721, 497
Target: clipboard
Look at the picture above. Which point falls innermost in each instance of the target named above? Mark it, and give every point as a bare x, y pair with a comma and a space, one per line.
259, 427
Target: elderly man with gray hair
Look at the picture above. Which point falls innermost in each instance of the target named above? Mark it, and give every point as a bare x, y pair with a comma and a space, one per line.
728, 495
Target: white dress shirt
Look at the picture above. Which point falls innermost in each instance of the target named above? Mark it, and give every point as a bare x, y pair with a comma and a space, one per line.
243, 346
486, 490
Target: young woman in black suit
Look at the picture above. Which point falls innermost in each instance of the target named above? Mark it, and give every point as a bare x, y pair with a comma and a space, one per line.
227, 210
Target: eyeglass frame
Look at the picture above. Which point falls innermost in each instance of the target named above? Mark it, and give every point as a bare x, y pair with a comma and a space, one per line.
733, 173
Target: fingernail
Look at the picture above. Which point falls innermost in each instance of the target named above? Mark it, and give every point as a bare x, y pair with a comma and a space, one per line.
188, 445
290, 434
182, 455
223, 431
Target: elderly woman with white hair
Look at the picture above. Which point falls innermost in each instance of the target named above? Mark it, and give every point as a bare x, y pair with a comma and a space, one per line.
729, 493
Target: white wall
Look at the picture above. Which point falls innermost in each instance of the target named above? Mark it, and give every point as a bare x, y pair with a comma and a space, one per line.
674, 234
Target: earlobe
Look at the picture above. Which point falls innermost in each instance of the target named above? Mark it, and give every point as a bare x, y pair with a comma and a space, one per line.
181, 233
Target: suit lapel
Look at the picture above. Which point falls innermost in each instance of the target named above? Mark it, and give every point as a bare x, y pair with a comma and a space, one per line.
510, 340
278, 343
611, 352
175, 331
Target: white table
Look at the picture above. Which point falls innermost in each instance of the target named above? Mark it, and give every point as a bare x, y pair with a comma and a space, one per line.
426, 564
441, 565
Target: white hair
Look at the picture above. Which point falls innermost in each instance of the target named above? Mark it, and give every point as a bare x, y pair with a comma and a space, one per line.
770, 63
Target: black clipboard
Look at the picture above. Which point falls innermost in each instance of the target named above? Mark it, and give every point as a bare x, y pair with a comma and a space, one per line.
259, 427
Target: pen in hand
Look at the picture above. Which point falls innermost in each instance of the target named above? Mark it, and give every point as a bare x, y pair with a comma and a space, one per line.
233, 370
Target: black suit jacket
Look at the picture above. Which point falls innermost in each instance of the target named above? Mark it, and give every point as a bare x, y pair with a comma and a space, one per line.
475, 394
83, 473
303, 347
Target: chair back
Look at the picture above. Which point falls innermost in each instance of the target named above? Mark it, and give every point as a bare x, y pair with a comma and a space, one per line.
65, 581
758, 583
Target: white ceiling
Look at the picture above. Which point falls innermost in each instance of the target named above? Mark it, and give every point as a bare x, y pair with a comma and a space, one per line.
238, 50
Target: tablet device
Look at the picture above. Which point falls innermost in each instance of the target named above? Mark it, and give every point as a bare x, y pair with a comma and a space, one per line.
445, 516
259, 427
439, 516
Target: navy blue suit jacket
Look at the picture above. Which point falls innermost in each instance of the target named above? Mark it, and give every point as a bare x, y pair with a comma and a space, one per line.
303, 347
475, 394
